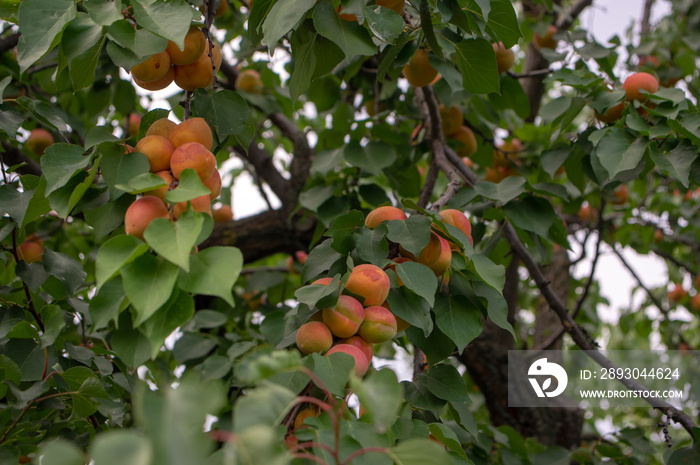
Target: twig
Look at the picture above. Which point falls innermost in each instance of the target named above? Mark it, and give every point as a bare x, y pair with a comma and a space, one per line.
534, 73
657, 303
586, 290
429, 185
646, 15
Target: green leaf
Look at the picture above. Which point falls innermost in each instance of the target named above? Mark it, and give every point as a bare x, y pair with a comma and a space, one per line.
504, 22
343, 230
465, 418
175, 240
43, 112
169, 19
504, 191
386, 24
677, 162
410, 307
352, 38
319, 260
118, 447
105, 305
313, 55
492, 274
129, 46
373, 157
213, 271
145, 182
688, 126
148, 283
444, 434
458, 318
477, 62
619, 151
52, 316
418, 278
103, 13
381, 395
265, 405
66, 268
282, 17
82, 44
59, 452
98, 135
130, 345
60, 163
311, 294
413, 233
419, 452
534, 214
178, 311
445, 382
497, 307
189, 187
225, 111
119, 167
114, 255
372, 246
41, 21
684, 456
333, 370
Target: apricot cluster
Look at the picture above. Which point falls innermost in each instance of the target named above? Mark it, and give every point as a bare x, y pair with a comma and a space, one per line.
362, 316
190, 68
453, 128
170, 149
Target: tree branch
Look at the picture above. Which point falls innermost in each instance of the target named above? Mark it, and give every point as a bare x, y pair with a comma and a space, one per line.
9, 42
646, 16
265, 168
657, 303
13, 156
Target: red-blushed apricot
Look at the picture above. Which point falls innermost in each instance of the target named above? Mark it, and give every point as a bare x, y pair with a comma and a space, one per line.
38, 141
193, 155
451, 119
314, 336
31, 250
430, 253
396, 5
505, 152
214, 184
695, 303
379, 214
200, 204
459, 220
141, 212
612, 114
344, 320
152, 69
361, 362
134, 124
466, 139
249, 81
369, 282
378, 326
505, 57
546, 41
192, 130
419, 72
621, 195
585, 213
222, 214
161, 127
194, 47
199, 73
637, 82
158, 150
497, 174
366, 347
442, 264
160, 191
158, 84
324, 281
303, 414
677, 294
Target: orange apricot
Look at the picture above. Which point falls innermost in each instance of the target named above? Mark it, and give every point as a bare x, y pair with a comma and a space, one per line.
153, 68
158, 150
451, 119
214, 184
677, 294
160, 191
314, 336
505, 152
161, 127
467, 141
361, 362
459, 220
612, 114
324, 281
380, 214
249, 81
222, 214
369, 282
193, 155
31, 250
308, 412
200, 204
621, 195
141, 212
158, 84
194, 47
365, 346
192, 130
38, 141
134, 124
695, 302
546, 41
419, 72
344, 320
505, 57
199, 73
637, 82
444, 260
379, 325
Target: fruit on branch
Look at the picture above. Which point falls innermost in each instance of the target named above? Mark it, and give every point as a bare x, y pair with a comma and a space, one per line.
361, 362
323, 281
497, 174
308, 412
249, 80
436, 255
314, 336
638, 82
505, 152
158, 84
38, 141
214, 184
379, 325
153, 68
193, 155
419, 72
546, 41
158, 150
649, 61
31, 250
621, 195
451, 119
369, 282
141, 212
366, 347
134, 124
161, 127
612, 114
442, 264
222, 214
380, 214
505, 57
695, 302
459, 220
194, 47
201, 204
192, 130
199, 73
161, 191
344, 320
396, 5
585, 213
677, 293
466, 142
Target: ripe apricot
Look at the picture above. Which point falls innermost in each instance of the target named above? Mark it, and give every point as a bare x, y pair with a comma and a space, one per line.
429, 254
621, 195
695, 302
612, 114
161, 127
160, 191
303, 414
141, 212
506, 151
546, 41
193, 155
222, 214
365, 346
38, 141
344, 320
505, 57
419, 72
314, 336
158, 150
214, 184
637, 82
324, 281
158, 84
249, 81
199, 73
380, 214
192, 130
361, 362
444, 260
200, 204
585, 213
378, 326
677, 294
194, 47
459, 220
369, 282
153, 68
31, 250
467, 142
396, 5
451, 119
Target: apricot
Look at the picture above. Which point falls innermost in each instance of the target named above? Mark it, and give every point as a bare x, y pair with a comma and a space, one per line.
134, 124
160, 191
31, 250
381, 214
140, 214
249, 81
314, 336
38, 141
505, 57
365, 346
612, 114
378, 326
192, 130
369, 282
505, 152
200, 204
361, 362
430, 254
194, 47
152, 69
695, 302
222, 214
324, 281
585, 213
459, 220
546, 41
396, 5
621, 195
158, 84
419, 72
467, 142
444, 260
677, 294
161, 127
199, 73
344, 16
214, 184
193, 155
637, 82
344, 320
158, 150
451, 119
303, 414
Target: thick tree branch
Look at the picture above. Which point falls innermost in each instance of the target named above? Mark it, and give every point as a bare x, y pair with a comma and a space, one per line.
9, 42
265, 168
567, 19
646, 17
303, 153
